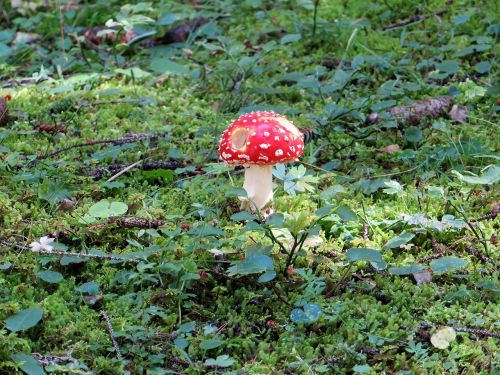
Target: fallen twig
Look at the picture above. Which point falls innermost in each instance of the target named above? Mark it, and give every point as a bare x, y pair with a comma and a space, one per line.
130, 222
483, 258
100, 172
116, 141
47, 359
490, 216
475, 331
412, 19
112, 334
414, 112
124, 170
68, 254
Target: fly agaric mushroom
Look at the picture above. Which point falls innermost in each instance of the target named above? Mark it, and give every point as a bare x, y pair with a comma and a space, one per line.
258, 140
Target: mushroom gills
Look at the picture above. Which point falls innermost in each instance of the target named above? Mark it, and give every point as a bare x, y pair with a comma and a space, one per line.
258, 185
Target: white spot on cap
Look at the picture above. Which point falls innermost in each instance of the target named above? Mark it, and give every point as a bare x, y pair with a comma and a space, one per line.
292, 148
262, 157
278, 152
254, 120
286, 138
265, 146
226, 156
248, 143
253, 133
266, 134
243, 156
276, 138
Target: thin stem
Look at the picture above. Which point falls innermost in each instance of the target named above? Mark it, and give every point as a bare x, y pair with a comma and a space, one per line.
315, 17
348, 269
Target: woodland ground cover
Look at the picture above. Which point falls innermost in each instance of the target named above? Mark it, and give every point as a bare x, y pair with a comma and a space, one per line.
383, 252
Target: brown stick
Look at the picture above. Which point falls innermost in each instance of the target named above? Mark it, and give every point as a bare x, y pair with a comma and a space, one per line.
68, 254
413, 19
117, 141
477, 332
112, 334
130, 222
100, 172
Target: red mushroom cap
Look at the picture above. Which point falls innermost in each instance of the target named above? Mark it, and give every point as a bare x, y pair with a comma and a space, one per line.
261, 138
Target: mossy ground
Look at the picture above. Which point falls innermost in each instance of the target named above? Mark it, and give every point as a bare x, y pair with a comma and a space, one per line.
254, 54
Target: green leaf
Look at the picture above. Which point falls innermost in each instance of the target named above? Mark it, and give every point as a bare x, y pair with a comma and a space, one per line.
24, 319
29, 364
449, 67
133, 72
253, 263
221, 361
360, 253
181, 342
309, 313
361, 369
105, 209
236, 192
323, 211
290, 38
163, 66
187, 327
211, 344
406, 270
413, 134
446, 264
399, 240
483, 67
267, 276
242, 216
91, 288
346, 213
50, 276
490, 175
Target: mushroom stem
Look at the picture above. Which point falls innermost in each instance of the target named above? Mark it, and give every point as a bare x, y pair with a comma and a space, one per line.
258, 185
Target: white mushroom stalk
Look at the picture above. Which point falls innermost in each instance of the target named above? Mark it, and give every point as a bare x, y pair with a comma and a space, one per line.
259, 186
258, 140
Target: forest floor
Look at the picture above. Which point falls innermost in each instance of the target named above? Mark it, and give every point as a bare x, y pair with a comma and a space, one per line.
122, 248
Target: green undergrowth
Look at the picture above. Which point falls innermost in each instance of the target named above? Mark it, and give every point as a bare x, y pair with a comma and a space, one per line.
383, 233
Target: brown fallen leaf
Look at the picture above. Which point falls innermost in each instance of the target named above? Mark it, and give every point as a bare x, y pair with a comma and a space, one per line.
4, 112
414, 112
103, 34
459, 114
180, 33
389, 149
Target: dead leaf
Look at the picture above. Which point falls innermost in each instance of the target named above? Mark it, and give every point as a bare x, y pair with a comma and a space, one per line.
459, 114
25, 38
442, 338
4, 112
389, 149
423, 277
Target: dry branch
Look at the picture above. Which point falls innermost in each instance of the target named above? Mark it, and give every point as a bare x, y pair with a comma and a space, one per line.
113, 169
130, 222
68, 254
112, 334
412, 19
477, 332
414, 112
116, 141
